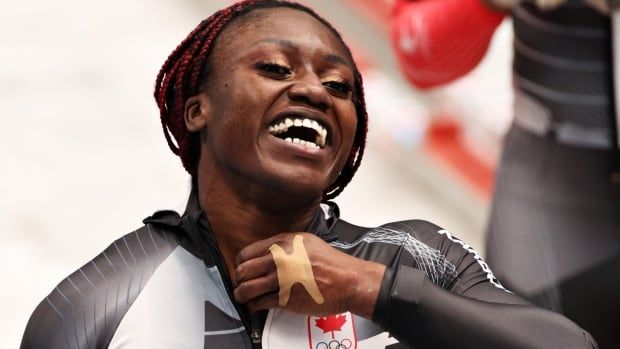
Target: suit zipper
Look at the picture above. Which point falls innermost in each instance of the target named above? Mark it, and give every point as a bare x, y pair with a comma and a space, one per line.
255, 333
250, 322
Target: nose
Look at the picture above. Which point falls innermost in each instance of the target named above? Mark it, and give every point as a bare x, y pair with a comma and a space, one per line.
310, 90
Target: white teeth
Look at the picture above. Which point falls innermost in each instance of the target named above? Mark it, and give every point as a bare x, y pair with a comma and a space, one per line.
311, 145
285, 124
306, 144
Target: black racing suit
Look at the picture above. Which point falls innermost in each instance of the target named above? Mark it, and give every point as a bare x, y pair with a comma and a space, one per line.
165, 285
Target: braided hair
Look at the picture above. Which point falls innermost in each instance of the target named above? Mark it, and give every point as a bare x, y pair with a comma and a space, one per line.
183, 73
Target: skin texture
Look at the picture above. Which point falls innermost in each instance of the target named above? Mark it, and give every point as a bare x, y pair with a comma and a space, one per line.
352, 288
253, 185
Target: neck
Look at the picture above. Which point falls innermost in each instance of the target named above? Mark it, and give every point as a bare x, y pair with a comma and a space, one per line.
239, 218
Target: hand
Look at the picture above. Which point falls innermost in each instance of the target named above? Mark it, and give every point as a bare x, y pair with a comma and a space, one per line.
345, 283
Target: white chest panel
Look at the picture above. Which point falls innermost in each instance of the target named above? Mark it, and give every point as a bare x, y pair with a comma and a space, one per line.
170, 311
344, 331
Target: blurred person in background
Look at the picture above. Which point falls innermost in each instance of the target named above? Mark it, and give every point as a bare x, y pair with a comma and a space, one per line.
554, 230
264, 105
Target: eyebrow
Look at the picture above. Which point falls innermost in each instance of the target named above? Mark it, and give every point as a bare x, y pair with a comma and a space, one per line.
338, 60
332, 58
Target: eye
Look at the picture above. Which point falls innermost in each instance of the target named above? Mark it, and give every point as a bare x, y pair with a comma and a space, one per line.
340, 87
274, 69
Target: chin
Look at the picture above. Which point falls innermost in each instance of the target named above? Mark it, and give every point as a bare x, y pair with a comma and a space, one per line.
301, 187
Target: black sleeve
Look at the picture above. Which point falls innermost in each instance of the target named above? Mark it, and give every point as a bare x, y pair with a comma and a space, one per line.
474, 312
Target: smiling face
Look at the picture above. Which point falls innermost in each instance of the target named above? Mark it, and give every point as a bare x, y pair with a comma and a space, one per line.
277, 110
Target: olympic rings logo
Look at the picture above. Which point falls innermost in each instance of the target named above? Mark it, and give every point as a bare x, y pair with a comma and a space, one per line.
335, 344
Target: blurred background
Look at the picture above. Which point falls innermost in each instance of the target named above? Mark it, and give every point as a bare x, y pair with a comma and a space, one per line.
85, 159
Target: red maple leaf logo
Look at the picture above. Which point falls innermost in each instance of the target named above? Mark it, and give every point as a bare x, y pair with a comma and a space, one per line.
331, 323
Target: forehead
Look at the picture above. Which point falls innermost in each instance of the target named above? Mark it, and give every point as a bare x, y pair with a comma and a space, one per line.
280, 23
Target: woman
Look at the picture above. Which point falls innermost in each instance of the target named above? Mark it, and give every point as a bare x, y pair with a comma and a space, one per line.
266, 106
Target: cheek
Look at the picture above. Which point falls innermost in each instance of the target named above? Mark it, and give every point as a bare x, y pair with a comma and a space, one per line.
251, 100
242, 118
348, 126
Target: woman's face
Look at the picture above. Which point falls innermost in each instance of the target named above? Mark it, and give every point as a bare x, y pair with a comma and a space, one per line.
279, 103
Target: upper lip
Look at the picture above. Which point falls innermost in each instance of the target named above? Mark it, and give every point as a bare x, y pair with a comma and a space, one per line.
301, 112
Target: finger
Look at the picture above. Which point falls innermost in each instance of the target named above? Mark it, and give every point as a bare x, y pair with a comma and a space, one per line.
266, 301
260, 248
254, 268
248, 290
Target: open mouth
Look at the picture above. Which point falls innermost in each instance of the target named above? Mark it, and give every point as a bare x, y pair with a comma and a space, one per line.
299, 130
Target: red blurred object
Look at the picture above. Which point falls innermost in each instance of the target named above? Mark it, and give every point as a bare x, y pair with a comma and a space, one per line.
437, 41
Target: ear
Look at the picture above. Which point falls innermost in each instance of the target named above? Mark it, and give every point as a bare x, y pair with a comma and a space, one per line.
197, 112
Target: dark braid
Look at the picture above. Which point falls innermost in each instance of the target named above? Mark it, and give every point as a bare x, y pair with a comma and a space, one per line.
183, 72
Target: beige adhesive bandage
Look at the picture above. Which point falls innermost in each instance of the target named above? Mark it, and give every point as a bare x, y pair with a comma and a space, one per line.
293, 268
